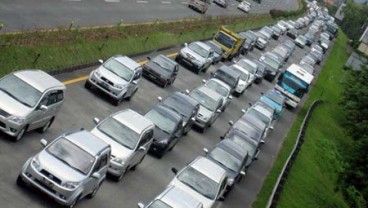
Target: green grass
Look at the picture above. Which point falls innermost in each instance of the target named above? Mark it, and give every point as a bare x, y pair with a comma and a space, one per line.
59, 49
312, 181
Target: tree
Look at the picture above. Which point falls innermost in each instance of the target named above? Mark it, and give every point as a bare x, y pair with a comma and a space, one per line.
355, 17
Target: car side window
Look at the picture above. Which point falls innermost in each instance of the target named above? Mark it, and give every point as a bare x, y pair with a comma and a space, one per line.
52, 98
146, 137
137, 74
60, 95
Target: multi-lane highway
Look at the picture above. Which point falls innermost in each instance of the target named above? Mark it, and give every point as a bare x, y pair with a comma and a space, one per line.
151, 177
20, 15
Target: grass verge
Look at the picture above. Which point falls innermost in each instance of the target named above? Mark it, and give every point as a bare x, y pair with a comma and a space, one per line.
312, 181
50, 50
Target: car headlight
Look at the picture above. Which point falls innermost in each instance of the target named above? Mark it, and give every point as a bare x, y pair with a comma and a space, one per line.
16, 119
36, 163
202, 117
197, 62
241, 85
119, 160
97, 73
120, 86
71, 185
230, 181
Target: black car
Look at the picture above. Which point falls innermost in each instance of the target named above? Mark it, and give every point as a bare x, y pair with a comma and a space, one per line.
243, 140
292, 33
168, 129
261, 72
161, 70
227, 75
232, 158
310, 38
185, 105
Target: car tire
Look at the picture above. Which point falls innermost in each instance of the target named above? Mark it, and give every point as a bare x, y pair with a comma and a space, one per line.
117, 101
20, 135
72, 205
136, 165
121, 176
172, 81
87, 85
20, 181
46, 126
165, 84
94, 192
132, 95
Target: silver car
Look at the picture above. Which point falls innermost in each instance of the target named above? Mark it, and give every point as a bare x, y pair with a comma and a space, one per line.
264, 113
119, 77
196, 55
210, 106
29, 100
202, 179
70, 168
221, 88
130, 136
173, 197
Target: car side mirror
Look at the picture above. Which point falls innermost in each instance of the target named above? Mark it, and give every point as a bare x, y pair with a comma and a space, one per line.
148, 58
96, 176
186, 44
140, 205
205, 150
174, 170
231, 122
186, 91
230, 97
271, 127
221, 198
211, 73
43, 142
242, 173
243, 110
135, 82
262, 142
204, 81
234, 61
262, 93
142, 149
100, 61
218, 111
159, 99
43, 108
96, 120
193, 119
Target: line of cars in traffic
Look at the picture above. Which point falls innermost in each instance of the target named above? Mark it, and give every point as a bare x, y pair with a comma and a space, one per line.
74, 165
203, 5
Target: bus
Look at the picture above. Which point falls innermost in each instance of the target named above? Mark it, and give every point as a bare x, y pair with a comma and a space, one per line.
293, 84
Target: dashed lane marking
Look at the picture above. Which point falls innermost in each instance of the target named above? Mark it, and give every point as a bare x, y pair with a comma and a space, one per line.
84, 78
112, 1
165, 2
142, 2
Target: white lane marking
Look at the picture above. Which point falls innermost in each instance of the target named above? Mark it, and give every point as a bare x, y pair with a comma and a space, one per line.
142, 2
72, 0
112, 1
184, 3
165, 2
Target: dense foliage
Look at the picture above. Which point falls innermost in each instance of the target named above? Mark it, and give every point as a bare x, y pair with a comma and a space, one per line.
276, 13
355, 18
355, 104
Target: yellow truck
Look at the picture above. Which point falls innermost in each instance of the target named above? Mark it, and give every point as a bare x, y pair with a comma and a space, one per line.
230, 42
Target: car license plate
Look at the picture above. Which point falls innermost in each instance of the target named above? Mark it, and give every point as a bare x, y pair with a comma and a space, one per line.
47, 182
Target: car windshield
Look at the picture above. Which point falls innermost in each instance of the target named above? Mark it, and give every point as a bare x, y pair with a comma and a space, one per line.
166, 65
20, 90
198, 49
119, 133
266, 120
205, 100
71, 155
217, 87
161, 121
245, 144
247, 66
225, 40
243, 75
231, 81
159, 204
178, 105
214, 47
271, 62
226, 159
199, 182
276, 98
119, 69
294, 85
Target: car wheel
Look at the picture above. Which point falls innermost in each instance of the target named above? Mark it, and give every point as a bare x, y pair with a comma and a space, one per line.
165, 84
94, 192
117, 101
177, 58
136, 165
121, 176
87, 85
20, 134
132, 95
72, 205
46, 126
20, 181
172, 81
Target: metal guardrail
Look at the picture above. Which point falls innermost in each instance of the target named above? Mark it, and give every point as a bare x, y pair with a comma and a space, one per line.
275, 196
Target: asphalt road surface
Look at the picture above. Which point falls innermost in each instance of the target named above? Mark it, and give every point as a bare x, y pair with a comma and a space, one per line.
151, 177
20, 15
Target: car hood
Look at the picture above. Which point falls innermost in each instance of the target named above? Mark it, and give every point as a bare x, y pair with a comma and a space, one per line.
204, 112
12, 106
187, 52
117, 149
160, 135
157, 69
58, 169
262, 41
207, 203
111, 76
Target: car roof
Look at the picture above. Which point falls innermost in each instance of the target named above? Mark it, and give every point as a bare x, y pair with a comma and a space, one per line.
250, 62
229, 71
182, 97
133, 120
87, 141
167, 112
264, 109
232, 148
208, 91
177, 198
208, 168
203, 45
39, 79
254, 120
220, 82
125, 60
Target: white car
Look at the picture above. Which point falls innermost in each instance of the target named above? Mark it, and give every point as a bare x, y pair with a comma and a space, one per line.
244, 81
244, 6
221, 88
